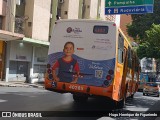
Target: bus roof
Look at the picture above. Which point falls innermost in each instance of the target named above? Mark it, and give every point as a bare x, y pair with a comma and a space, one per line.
93, 20
84, 20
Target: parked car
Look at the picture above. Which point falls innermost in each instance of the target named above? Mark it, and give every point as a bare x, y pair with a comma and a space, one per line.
151, 88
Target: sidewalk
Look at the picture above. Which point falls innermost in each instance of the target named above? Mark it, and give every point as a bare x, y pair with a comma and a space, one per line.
20, 84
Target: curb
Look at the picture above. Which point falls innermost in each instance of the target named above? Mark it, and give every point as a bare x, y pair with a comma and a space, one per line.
20, 85
36, 86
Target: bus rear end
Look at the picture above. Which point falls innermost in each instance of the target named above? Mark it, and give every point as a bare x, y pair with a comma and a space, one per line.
95, 52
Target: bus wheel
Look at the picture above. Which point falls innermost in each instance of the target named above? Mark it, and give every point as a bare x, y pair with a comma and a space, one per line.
121, 103
132, 95
118, 105
80, 98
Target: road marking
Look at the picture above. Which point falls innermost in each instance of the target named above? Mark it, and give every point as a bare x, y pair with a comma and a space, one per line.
3, 100
105, 118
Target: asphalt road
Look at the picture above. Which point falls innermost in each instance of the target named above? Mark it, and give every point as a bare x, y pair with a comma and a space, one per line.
39, 100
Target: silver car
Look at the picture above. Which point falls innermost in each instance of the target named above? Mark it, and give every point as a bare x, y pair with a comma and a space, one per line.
151, 88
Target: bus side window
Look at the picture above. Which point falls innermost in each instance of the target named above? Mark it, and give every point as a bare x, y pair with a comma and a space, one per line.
129, 58
120, 49
124, 54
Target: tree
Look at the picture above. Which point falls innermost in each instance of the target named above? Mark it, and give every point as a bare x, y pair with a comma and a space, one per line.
143, 22
151, 46
145, 29
141, 50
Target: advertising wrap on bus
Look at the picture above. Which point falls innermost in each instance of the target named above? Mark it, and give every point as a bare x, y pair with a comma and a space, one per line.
94, 51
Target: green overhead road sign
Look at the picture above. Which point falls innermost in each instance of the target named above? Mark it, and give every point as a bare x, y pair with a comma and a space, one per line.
114, 3
128, 6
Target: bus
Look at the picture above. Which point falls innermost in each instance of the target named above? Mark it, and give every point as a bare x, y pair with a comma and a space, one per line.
144, 78
108, 65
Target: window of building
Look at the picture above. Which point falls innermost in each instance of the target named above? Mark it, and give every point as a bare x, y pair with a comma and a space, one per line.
22, 1
18, 69
59, 10
1, 19
29, 24
65, 12
39, 68
99, 9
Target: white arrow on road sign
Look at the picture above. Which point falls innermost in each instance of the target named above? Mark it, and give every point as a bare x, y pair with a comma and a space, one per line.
109, 11
109, 3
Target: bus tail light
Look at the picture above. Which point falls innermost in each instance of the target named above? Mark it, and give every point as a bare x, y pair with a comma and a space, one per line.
106, 82
50, 76
49, 71
110, 72
108, 77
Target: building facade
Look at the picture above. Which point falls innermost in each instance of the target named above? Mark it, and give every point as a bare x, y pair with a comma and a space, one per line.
124, 21
32, 22
7, 33
148, 67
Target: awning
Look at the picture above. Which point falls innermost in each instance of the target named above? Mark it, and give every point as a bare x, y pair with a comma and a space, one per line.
42, 42
8, 36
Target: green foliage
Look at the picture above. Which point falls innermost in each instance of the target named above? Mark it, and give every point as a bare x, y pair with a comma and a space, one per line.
151, 46
143, 22
145, 29
141, 50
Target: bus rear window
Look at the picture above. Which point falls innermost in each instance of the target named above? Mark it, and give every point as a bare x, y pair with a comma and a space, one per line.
100, 29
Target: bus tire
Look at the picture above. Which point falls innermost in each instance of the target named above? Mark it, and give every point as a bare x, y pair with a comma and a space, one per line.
80, 98
121, 103
132, 96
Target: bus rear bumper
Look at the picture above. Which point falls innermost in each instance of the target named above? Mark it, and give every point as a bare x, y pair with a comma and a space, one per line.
62, 87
